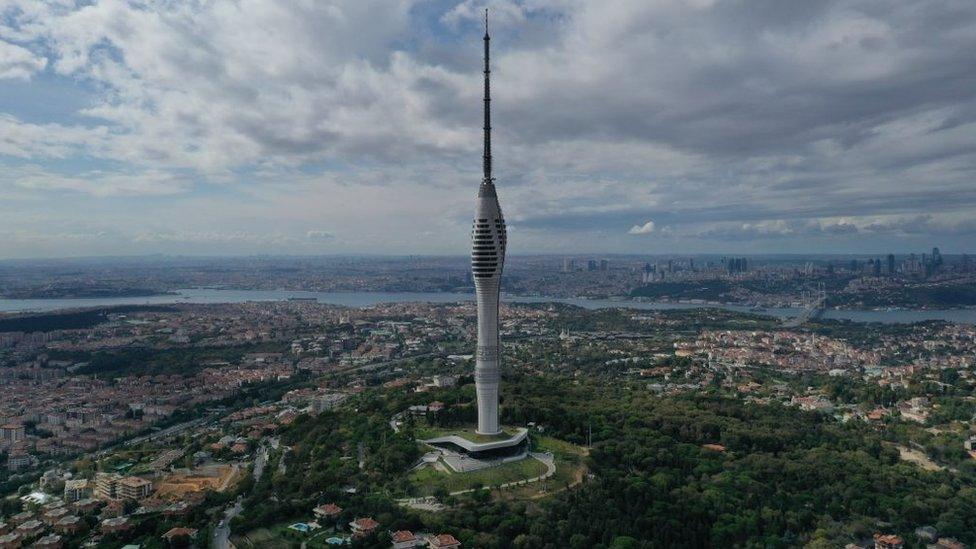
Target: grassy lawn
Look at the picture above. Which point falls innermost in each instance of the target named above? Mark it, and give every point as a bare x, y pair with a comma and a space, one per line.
559, 448
570, 461
428, 480
278, 535
426, 432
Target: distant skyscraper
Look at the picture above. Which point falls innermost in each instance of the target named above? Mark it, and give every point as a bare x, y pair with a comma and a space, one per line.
891, 264
737, 265
488, 238
647, 275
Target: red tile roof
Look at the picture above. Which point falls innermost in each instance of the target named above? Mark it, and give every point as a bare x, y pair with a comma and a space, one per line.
329, 509
444, 540
366, 523
179, 532
401, 536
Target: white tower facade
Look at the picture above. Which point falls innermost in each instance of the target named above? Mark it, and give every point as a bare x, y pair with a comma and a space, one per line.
488, 240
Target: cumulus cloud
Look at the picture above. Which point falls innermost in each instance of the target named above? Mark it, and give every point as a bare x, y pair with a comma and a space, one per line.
646, 228
18, 62
777, 121
223, 84
96, 183
46, 141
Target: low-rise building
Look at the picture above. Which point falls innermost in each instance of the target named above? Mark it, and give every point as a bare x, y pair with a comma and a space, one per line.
179, 533
329, 511
86, 505
443, 541
115, 525
114, 508
404, 539
20, 461
444, 381
30, 529
50, 541
363, 527
21, 518
888, 541
133, 488
68, 525
77, 489
54, 515
948, 543
11, 541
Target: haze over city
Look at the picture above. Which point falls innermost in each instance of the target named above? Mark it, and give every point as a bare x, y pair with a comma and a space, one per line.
254, 127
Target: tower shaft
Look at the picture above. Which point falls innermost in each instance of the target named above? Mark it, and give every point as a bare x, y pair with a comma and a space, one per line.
488, 241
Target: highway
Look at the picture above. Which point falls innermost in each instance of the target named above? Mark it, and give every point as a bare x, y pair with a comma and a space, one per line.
169, 431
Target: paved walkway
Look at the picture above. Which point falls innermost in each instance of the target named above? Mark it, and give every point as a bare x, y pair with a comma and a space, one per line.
431, 504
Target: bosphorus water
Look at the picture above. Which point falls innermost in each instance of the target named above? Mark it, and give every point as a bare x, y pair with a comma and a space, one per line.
366, 299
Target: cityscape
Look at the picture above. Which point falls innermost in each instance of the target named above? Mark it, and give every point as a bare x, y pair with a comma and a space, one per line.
253, 294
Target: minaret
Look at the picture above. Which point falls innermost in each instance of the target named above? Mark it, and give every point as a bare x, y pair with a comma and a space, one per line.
487, 260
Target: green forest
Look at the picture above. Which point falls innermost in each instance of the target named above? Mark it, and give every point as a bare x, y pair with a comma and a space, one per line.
76, 320
786, 478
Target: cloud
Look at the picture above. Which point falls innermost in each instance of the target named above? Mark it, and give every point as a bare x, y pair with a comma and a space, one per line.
318, 234
790, 122
219, 85
646, 228
501, 12
184, 237
46, 141
18, 62
96, 183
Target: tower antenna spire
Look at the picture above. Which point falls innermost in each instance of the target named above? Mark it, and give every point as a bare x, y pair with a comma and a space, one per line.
487, 154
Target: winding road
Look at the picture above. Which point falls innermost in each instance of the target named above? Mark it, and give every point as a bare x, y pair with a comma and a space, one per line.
221, 534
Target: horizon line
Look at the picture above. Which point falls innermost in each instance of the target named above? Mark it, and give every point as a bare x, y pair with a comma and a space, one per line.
367, 255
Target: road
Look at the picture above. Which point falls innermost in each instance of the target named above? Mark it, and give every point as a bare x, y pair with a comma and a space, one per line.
378, 365
169, 431
281, 461
259, 461
221, 534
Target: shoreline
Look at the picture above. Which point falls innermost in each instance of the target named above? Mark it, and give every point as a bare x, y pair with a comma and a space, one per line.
520, 297
368, 299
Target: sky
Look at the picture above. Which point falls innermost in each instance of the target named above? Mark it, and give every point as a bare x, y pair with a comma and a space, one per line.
353, 126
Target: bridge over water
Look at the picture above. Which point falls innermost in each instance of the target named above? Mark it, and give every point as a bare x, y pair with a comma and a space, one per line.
813, 307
